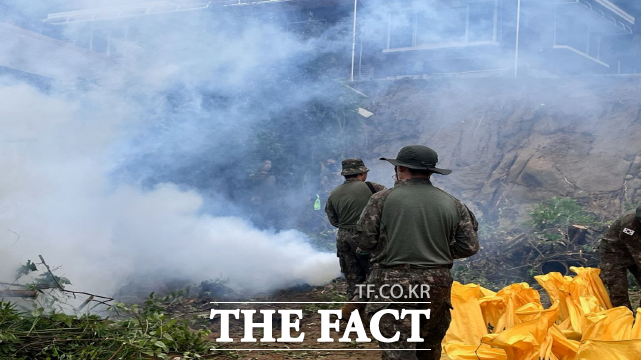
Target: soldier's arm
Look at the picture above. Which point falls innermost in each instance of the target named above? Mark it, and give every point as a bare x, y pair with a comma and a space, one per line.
369, 223
631, 242
465, 242
614, 232
331, 213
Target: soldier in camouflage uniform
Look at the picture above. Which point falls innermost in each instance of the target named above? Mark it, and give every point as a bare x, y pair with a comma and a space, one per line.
414, 232
343, 208
620, 250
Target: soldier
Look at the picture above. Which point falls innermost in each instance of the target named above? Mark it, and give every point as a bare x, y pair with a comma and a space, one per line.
414, 232
343, 208
620, 251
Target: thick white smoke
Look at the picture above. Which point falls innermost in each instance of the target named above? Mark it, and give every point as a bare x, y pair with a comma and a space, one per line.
59, 149
55, 194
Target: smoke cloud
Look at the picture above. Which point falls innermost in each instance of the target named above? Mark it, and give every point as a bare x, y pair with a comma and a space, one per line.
118, 176
141, 166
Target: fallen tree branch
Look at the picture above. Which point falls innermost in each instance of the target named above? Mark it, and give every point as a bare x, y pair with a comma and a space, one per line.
18, 293
55, 279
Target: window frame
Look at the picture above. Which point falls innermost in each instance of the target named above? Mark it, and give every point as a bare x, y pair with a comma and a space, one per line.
583, 52
448, 44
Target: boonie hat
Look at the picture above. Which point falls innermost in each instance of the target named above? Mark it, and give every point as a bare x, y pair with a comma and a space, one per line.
353, 167
418, 157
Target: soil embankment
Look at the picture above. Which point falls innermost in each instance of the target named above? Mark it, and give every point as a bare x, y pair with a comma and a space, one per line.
514, 142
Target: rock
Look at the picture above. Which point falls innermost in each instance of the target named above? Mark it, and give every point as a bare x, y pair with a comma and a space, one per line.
505, 149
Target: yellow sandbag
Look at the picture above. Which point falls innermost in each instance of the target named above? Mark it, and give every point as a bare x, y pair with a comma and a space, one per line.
529, 312
487, 292
515, 296
529, 340
562, 346
572, 335
554, 285
610, 350
492, 309
579, 307
595, 285
636, 328
474, 352
535, 339
467, 325
608, 325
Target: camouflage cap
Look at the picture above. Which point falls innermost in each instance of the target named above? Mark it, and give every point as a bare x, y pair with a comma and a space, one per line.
418, 157
353, 167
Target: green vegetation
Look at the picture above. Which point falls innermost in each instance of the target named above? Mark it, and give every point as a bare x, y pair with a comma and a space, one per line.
551, 218
559, 212
54, 325
145, 333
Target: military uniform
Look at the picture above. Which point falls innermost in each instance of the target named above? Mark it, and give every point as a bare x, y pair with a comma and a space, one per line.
414, 231
620, 251
343, 208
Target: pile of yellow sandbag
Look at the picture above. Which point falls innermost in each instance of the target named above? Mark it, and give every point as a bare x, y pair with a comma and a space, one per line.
513, 325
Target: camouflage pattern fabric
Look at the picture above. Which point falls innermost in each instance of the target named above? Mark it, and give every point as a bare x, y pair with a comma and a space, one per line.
343, 209
432, 330
463, 242
353, 167
620, 251
353, 265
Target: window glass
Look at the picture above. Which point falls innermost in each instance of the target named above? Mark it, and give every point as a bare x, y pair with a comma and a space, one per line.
481, 23
572, 32
401, 31
441, 26
595, 40
578, 36
84, 39
472, 22
562, 29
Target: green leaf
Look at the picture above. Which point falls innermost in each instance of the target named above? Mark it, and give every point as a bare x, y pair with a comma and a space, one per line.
161, 345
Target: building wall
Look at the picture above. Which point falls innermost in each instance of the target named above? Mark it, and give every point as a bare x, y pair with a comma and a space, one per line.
29, 52
474, 36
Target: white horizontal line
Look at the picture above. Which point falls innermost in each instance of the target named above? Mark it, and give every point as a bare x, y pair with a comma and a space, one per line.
285, 349
318, 302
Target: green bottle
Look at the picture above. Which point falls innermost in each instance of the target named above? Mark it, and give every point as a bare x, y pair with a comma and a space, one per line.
317, 204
